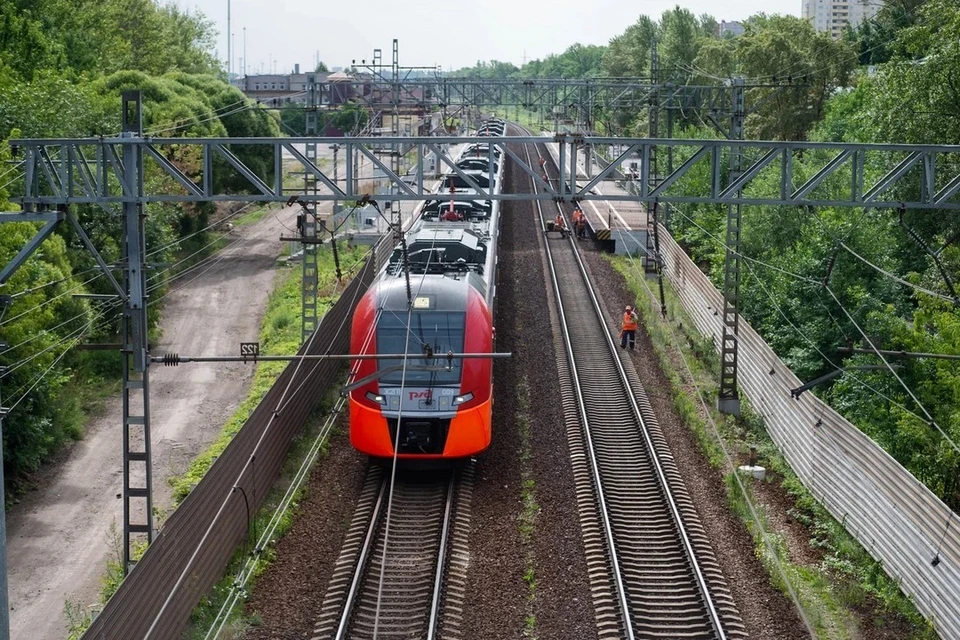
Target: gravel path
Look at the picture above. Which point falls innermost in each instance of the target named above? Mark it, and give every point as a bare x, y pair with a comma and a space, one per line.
60, 536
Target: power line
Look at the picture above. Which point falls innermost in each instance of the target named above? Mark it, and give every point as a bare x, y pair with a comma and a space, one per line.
897, 278
50, 300
928, 418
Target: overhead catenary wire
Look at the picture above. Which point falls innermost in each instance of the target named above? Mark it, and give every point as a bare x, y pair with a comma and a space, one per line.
49, 301
396, 443
12, 180
929, 420
14, 167
37, 379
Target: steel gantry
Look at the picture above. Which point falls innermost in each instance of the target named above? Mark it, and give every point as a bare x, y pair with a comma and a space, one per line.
581, 97
63, 172
109, 172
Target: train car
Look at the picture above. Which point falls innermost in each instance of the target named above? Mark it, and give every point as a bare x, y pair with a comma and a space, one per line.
434, 297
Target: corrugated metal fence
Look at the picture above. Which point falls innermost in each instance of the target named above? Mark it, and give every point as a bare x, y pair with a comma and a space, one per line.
191, 551
898, 520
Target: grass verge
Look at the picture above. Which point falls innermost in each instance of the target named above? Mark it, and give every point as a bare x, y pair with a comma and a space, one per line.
846, 584
528, 514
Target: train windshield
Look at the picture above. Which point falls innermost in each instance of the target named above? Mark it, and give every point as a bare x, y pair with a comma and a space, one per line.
434, 331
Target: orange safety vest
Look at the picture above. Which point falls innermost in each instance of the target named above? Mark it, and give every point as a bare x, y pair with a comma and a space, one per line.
559, 221
629, 321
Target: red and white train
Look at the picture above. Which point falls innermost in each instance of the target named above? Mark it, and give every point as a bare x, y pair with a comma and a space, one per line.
432, 408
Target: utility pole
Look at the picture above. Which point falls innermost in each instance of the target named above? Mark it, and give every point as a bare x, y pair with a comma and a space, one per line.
243, 66
395, 121
669, 87
137, 472
229, 45
728, 401
653, 112
395, 99
336, 179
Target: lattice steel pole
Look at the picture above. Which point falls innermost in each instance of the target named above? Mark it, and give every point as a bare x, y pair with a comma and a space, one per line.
395, 123
137, 472
653, 112
307, 222
728, 401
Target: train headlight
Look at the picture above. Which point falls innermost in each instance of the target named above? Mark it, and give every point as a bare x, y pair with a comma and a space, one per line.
379, 399
458, 400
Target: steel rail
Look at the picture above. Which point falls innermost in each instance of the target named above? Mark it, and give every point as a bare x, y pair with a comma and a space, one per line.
665, 485
370, 553
644, 430
362, 562
594, 466
441, 562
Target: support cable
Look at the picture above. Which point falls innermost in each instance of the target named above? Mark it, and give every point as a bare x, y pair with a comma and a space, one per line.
800, 332
929, 419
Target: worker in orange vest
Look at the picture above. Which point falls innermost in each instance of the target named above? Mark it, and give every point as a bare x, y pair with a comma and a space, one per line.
628, 328
579, 222
559, 224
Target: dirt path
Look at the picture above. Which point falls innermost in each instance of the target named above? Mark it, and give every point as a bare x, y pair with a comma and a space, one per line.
60, 536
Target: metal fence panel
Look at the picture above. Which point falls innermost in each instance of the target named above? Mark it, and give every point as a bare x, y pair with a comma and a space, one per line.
892, 514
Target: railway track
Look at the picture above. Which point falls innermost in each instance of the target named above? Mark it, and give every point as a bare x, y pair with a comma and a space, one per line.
652, 570
412, 586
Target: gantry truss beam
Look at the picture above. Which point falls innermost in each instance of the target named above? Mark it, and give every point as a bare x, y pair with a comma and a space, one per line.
543, 93
63, 172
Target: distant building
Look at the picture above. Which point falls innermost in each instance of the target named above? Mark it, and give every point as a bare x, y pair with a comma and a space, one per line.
333, 89
729, 28
833, 16
278, 89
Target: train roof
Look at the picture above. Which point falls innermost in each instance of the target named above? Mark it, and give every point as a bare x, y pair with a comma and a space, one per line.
443, 247
429, 292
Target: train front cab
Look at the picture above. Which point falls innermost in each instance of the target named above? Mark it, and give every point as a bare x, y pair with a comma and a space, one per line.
443, 413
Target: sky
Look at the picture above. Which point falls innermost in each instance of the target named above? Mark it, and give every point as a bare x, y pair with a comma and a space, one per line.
280, 33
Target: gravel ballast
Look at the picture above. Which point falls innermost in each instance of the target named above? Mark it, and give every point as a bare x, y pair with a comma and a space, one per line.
562, 607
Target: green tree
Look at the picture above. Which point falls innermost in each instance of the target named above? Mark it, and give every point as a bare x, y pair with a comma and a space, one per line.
806, 66
682, 34
41, 326
629, 53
